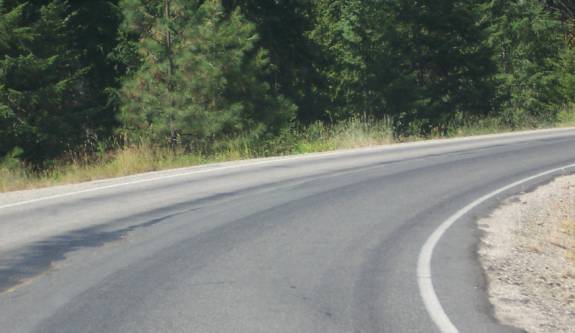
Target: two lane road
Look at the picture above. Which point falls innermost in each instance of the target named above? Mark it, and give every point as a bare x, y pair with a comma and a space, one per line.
319, 243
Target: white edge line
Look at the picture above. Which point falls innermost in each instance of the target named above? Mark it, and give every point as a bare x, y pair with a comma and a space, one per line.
424, 279
279, 159
139, 181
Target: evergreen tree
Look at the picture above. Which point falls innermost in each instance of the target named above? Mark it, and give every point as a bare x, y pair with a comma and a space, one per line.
443, 51
566, 8
422, 62
196, 71
339, 31
529, 42
95, 28
282, 28
11, 32
41, 81
197, 74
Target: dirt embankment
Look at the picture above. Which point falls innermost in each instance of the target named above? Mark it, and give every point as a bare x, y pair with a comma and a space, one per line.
528, 253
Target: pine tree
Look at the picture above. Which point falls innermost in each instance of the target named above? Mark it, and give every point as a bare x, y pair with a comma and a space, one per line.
197, 74
422, 62
282, 28
529, 41
339, 31
442, 44
11, 127
95, 27
41, 81
226, 69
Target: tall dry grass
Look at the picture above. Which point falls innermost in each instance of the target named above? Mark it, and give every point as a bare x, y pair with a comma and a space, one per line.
123, 161
317, 137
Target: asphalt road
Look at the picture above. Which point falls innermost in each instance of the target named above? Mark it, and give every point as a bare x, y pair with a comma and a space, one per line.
320, 243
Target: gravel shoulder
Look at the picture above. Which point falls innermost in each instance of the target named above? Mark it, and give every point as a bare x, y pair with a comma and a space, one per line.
528, 254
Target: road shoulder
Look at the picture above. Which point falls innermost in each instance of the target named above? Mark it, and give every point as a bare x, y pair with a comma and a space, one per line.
528, 254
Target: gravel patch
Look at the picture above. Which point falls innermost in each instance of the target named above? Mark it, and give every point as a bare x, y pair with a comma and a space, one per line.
528, 254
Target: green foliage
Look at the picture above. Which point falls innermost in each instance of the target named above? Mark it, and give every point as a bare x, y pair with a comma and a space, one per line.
424, 63
446, 70
47, 102
95, 32
338, 31
39, 75
199, 75
529, 42
282, 28
10, 33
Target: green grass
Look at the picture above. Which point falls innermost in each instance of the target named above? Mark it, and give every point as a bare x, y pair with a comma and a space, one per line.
567, 117
317, 137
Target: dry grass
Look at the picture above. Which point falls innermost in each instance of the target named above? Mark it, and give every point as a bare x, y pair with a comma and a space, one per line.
144, 158
121, 162
317, 137
568, 228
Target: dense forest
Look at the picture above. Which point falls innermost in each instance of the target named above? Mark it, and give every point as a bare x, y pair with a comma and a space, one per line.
92, 75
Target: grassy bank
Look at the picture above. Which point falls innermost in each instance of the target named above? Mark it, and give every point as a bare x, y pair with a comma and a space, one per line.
143, 158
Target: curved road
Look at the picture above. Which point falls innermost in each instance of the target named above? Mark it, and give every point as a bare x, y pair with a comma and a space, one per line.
318, 243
